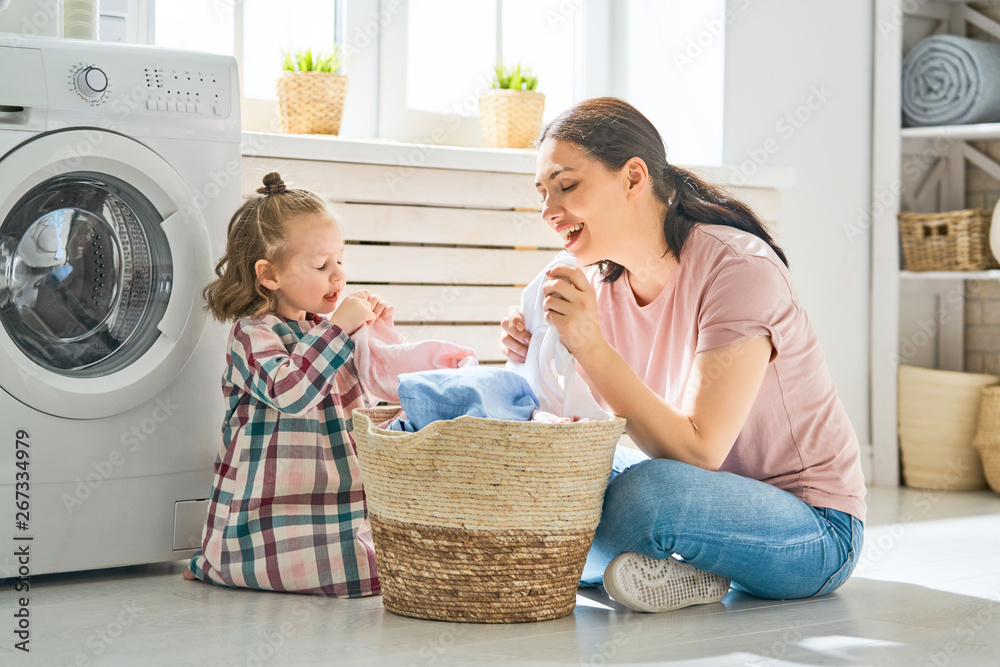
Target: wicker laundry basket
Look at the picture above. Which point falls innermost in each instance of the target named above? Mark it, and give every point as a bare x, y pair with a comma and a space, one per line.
938, 413
483, 520
948, 241
311, 102
510, 118
987, 439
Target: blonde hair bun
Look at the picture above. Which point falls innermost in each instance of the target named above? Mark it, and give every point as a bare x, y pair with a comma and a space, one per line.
272, 184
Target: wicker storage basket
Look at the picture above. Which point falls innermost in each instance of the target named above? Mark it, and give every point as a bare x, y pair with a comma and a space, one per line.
938, 413
949, 241
483, 520
510, 118
987, 439
311, 102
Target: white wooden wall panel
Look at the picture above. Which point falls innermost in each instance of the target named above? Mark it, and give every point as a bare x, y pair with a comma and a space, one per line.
445, 303
381, 184
449, 266
434, 224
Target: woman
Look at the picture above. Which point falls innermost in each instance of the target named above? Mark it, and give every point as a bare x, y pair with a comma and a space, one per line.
690, 329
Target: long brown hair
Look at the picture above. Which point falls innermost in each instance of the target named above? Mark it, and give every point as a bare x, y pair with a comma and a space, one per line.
612, 131
257, 231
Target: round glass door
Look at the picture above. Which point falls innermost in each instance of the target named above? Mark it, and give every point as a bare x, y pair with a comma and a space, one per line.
87, 274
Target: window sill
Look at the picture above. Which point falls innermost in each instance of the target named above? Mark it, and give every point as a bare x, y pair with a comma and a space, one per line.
506, 160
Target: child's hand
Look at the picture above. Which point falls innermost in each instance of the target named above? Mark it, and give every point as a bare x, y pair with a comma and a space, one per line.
353, 313
379, 307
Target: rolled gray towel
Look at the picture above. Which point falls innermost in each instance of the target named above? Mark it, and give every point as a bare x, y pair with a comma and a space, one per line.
949, 80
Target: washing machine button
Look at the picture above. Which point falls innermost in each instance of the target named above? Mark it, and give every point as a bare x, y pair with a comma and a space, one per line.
151, 105
161, 105
171, 106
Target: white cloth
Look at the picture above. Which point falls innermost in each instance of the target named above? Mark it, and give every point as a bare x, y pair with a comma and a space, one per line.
549, 367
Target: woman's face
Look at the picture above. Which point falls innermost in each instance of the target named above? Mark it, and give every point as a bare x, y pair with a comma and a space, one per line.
582, 200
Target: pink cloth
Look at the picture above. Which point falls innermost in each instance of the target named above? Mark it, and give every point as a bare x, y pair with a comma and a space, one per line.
382, 354
730, 285
549, 418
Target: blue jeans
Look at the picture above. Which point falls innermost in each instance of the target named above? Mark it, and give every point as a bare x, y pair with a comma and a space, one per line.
767, 541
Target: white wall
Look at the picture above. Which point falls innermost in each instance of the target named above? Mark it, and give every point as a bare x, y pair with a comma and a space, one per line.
813, 59
32, 17
668, 59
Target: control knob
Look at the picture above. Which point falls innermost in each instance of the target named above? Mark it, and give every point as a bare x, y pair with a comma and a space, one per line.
91, 82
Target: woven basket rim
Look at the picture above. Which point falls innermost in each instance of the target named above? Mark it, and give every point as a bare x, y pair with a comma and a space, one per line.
295, 73
510, 92
942, 373
957, 213
488, 422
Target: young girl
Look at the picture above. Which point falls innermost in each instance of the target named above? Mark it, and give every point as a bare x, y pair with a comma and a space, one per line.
287, 510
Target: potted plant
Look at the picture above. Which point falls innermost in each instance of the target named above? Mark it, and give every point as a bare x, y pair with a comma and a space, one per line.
510, 115
311, 91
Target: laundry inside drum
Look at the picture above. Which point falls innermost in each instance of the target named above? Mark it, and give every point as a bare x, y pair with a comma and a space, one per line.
87, 275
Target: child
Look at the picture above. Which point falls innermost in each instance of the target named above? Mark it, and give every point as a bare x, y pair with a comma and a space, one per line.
287, 511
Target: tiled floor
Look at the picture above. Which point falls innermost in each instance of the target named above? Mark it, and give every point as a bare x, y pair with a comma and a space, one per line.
927, 592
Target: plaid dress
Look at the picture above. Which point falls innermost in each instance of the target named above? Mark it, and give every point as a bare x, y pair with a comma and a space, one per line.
287, 511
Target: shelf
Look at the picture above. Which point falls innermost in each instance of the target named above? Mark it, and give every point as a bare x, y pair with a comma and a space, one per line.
974, 132
950, 275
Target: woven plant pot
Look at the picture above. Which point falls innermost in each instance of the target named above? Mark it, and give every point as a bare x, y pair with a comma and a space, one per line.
947, 241
311, 102
483, 520
938, 414
510, 118
987, 439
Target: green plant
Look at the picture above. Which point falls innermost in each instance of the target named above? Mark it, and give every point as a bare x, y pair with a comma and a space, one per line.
514, 77
304, 60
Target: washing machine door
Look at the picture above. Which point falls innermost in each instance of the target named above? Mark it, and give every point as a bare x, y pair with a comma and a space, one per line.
103, 253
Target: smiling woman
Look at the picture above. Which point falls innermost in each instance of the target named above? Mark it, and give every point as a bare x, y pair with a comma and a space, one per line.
689, 327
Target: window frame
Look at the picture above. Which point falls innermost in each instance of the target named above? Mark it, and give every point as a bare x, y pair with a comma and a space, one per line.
591, 46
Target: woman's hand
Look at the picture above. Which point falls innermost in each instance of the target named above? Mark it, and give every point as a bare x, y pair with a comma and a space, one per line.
514, 341
570, 305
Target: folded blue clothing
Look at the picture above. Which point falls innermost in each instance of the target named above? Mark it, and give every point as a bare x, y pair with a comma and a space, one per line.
476, 391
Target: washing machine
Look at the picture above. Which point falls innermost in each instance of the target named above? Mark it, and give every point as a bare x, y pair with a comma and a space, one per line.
119, 171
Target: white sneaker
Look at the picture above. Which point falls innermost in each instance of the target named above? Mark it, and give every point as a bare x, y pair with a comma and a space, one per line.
644, 584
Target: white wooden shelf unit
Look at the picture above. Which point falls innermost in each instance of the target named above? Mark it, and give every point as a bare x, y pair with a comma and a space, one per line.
917, 318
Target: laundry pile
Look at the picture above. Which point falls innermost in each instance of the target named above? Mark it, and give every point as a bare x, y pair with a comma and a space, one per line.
546, 388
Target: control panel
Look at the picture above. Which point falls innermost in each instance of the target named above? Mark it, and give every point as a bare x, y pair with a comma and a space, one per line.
135, 90
179, 90
188, 90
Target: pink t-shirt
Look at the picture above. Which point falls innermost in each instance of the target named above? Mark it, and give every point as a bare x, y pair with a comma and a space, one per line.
730, 285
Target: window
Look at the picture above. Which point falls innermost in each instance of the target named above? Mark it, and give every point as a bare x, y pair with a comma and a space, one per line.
195, 24
437, 56
443, 75
256, 32
270, 28
417, 67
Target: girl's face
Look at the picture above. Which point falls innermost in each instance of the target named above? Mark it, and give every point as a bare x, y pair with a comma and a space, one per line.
582, 200
312, 278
